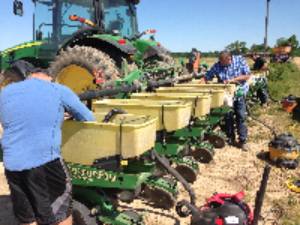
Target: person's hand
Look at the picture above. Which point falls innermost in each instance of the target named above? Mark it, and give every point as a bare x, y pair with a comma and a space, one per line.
67, 116
202, 81
231, 81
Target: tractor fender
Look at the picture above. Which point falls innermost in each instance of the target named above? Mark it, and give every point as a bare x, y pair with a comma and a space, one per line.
154, 51
83, 39
112, 48
127, 48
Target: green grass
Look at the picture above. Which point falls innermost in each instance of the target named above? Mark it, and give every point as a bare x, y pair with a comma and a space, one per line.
284, 79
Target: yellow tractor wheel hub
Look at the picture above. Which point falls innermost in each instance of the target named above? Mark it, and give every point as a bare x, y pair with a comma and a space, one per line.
77, 78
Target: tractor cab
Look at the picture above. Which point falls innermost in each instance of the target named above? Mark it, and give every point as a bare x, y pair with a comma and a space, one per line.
120, 16
55, 21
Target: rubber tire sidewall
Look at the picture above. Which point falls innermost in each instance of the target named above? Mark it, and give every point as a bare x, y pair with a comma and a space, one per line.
81, 215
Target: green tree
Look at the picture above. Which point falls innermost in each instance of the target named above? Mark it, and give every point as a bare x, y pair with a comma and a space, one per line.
258, 48
237, 47
297, 52
282, 42
291, 41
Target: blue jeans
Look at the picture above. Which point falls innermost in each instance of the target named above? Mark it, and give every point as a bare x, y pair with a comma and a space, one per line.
237, 119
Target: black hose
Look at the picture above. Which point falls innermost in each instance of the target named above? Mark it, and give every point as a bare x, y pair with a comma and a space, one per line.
111, 114
273, 99
164, 162
89, 95
152, 85
272, 129
265, 125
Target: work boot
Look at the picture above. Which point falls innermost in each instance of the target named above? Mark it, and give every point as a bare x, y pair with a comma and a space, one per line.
231, 142
243, 146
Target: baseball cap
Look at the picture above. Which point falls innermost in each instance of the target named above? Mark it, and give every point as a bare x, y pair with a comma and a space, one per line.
26, 68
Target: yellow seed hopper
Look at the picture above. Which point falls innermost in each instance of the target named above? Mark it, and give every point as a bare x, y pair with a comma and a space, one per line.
128, 136
218, 96
200, 103
172, 115
229, 88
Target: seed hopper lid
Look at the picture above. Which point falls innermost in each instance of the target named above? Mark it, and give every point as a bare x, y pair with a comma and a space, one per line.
145, 102
180, 96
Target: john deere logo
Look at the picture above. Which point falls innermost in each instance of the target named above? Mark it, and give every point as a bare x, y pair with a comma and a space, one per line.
91, 175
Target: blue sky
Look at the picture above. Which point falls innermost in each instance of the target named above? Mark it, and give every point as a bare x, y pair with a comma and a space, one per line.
182, 24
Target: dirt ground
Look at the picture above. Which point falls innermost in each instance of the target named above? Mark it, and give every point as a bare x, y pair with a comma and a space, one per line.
297, 61
231, 171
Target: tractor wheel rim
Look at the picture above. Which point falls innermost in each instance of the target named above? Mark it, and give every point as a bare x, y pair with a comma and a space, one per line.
77, 78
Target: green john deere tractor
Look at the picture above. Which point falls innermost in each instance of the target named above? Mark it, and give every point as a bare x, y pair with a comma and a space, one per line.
88, 44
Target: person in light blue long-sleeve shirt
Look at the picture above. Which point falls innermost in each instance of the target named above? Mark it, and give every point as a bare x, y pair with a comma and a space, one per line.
32, 113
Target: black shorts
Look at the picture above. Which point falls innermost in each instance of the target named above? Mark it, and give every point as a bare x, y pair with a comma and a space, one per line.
42, 194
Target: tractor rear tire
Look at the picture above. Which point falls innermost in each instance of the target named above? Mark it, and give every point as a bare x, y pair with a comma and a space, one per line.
75, 67
168, 59
81, 215
163, 60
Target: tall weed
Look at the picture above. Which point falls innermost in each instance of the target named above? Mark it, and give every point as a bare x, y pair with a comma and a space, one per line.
284, 79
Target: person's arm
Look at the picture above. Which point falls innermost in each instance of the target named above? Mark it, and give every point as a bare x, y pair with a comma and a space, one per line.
239, 79
211, 73
74, 106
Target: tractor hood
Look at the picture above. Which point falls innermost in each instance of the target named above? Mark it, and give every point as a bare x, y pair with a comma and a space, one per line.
21, 47
24, 50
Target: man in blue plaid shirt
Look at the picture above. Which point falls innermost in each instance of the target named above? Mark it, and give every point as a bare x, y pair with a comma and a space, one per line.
234, 69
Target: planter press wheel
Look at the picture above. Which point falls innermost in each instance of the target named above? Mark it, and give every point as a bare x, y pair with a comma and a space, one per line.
188, 173
202, 155
82, 215
135, 218
216, 140
159, 197
128, 196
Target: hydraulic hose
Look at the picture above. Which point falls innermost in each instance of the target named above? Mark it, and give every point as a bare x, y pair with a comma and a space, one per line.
262, 122
164, 162
152, 85
89, 95
265, 125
